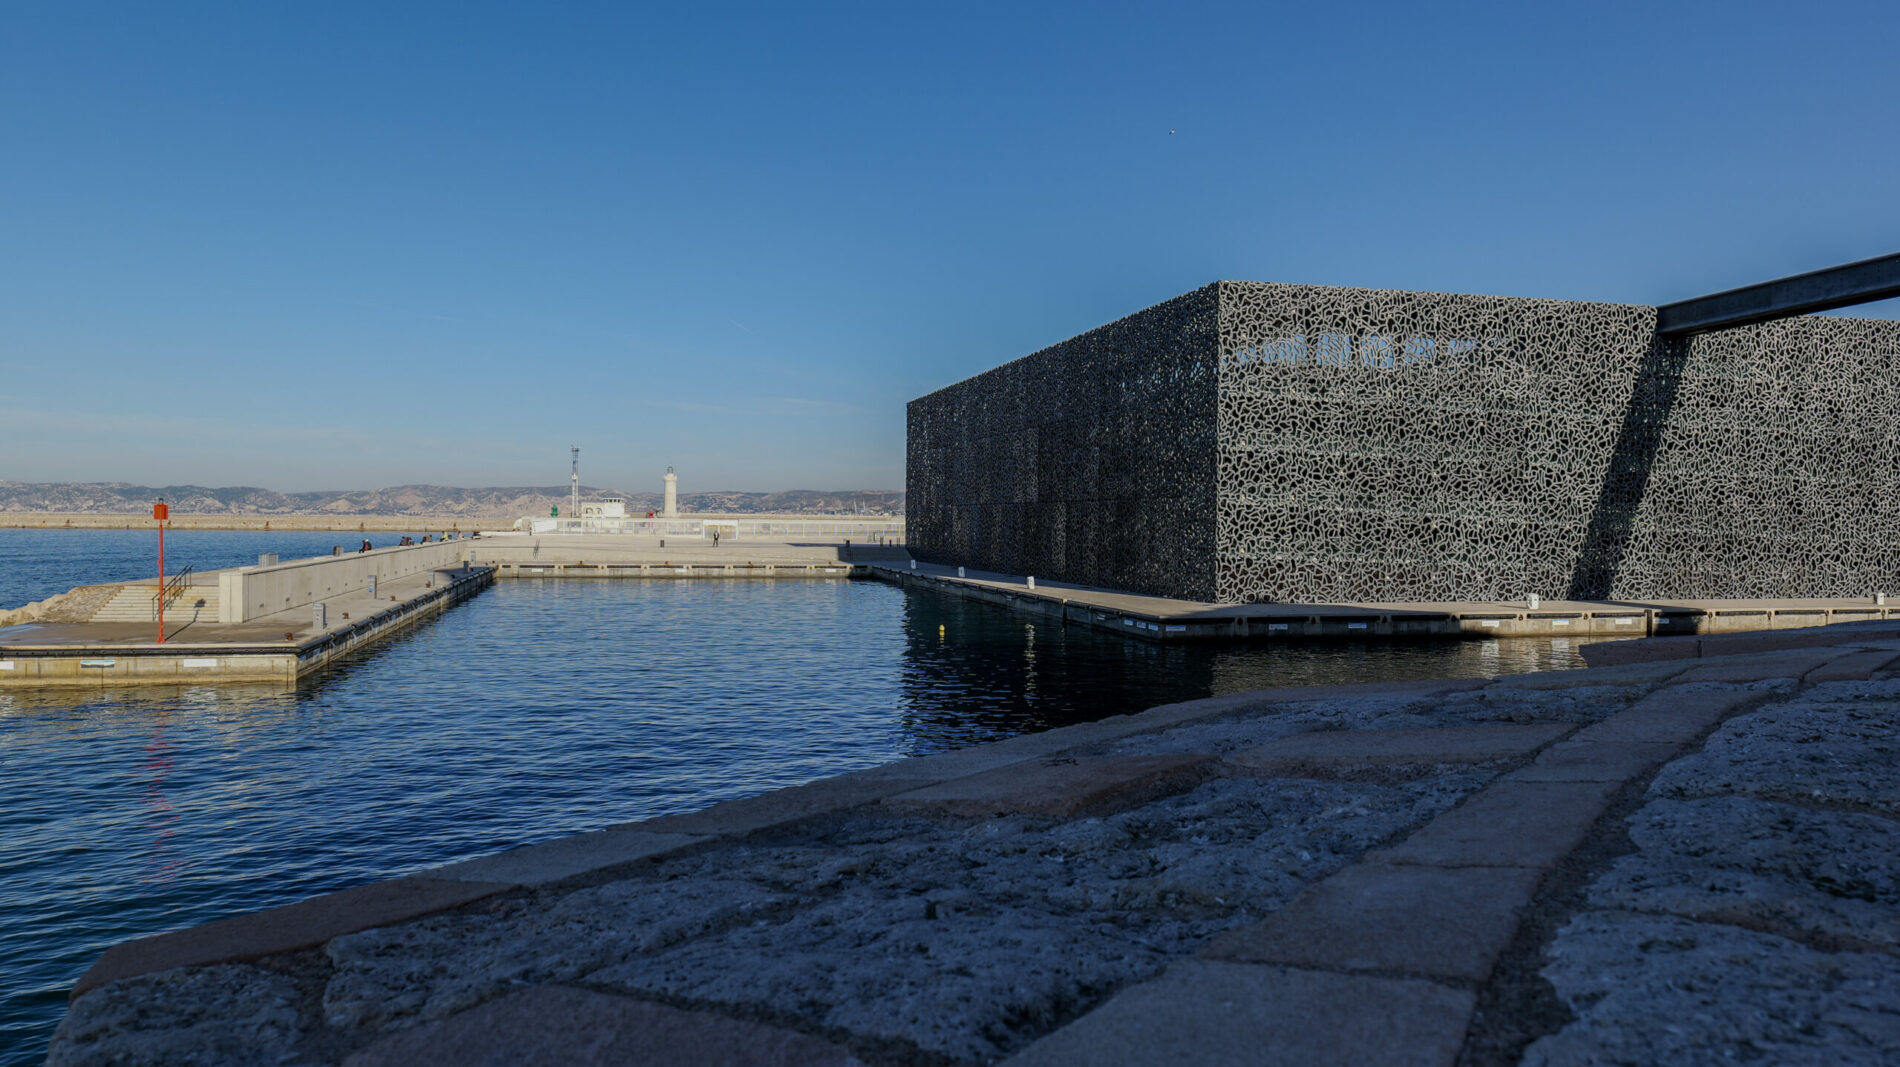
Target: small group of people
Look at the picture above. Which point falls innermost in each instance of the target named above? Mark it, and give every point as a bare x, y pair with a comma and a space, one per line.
337, 550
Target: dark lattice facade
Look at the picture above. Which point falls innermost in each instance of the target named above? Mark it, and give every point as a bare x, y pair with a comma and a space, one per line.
1263, 442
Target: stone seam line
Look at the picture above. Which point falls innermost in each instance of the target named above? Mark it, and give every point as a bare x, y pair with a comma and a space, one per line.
590, 856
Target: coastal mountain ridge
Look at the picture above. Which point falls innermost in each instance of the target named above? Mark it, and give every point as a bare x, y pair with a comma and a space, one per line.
117, 498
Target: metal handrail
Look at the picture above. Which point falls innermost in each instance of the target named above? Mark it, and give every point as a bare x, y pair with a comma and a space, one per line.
173, 589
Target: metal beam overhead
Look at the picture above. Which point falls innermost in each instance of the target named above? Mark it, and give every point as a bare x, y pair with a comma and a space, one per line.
1800, 294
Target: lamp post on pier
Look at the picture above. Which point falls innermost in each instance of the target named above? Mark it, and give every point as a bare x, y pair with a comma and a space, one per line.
160, 513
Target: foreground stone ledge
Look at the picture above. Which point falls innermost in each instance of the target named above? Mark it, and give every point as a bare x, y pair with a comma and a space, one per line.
1638, 673
1653, 649
565, 857
1213, 1013
1435, 922
1790, 663
779, 807
305, 924
559, 1026
1095, 784
943, 766
1436, 744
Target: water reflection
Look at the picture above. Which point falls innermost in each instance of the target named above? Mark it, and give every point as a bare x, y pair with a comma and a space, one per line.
160, 818
976, 672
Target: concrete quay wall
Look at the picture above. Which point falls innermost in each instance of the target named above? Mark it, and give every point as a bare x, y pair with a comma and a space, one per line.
1165, 619
453, 588
171, 664
248, 593
240, 659
669, 571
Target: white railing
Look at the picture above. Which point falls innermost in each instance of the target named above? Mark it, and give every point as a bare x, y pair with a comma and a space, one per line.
888, 531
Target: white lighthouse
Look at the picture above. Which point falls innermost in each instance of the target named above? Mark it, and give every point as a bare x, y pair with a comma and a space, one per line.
671, 508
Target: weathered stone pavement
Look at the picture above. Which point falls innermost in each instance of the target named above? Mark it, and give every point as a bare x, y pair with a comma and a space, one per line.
1678, 861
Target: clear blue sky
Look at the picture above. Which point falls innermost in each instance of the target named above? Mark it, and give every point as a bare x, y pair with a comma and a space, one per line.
348, 245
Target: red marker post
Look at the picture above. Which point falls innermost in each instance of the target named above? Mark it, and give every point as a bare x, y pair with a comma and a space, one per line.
160, 513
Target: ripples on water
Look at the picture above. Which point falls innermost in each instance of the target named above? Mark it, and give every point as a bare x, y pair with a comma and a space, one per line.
537, 709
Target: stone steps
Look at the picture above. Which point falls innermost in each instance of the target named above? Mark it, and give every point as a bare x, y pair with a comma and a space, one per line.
134, 604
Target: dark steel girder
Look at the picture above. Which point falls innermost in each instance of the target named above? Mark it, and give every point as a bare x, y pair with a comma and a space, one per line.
1820, 290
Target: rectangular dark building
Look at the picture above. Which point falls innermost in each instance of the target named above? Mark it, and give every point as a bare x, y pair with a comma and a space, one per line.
1295, 443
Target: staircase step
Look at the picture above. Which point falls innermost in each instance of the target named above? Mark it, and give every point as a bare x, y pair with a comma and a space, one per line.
134, 604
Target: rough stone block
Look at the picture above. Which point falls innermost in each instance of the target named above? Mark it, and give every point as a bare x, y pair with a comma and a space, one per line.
1062, 787
1662, 990
1827, 878
1447, 744
558, 1026
1671, 716
1791, 663
1839, 752
1511, 824
294, 926
1594, 761
227, 1013
1433, 921
562, 858
1211, 1013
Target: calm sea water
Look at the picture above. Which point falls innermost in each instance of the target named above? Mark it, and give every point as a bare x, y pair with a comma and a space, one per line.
535, 710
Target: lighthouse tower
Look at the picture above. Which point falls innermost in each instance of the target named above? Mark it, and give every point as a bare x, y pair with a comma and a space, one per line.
671, 509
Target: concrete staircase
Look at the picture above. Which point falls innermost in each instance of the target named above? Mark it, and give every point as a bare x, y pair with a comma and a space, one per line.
197, 603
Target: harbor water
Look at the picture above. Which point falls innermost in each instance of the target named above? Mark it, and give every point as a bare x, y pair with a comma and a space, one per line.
537, 709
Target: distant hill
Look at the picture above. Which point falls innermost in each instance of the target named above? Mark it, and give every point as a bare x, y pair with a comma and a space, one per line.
120, 498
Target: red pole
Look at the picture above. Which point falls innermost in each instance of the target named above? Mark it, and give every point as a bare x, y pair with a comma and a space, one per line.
161, 513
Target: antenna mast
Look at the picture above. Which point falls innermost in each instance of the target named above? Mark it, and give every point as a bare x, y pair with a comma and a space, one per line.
574, 493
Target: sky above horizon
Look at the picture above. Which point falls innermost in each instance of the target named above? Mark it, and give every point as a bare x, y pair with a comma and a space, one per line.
357, 245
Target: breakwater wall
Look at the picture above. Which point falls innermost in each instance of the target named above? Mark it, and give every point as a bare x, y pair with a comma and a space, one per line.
248, 593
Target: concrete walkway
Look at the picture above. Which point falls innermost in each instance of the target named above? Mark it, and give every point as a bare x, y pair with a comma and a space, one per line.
1166, 619
279, 647
1682, 861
